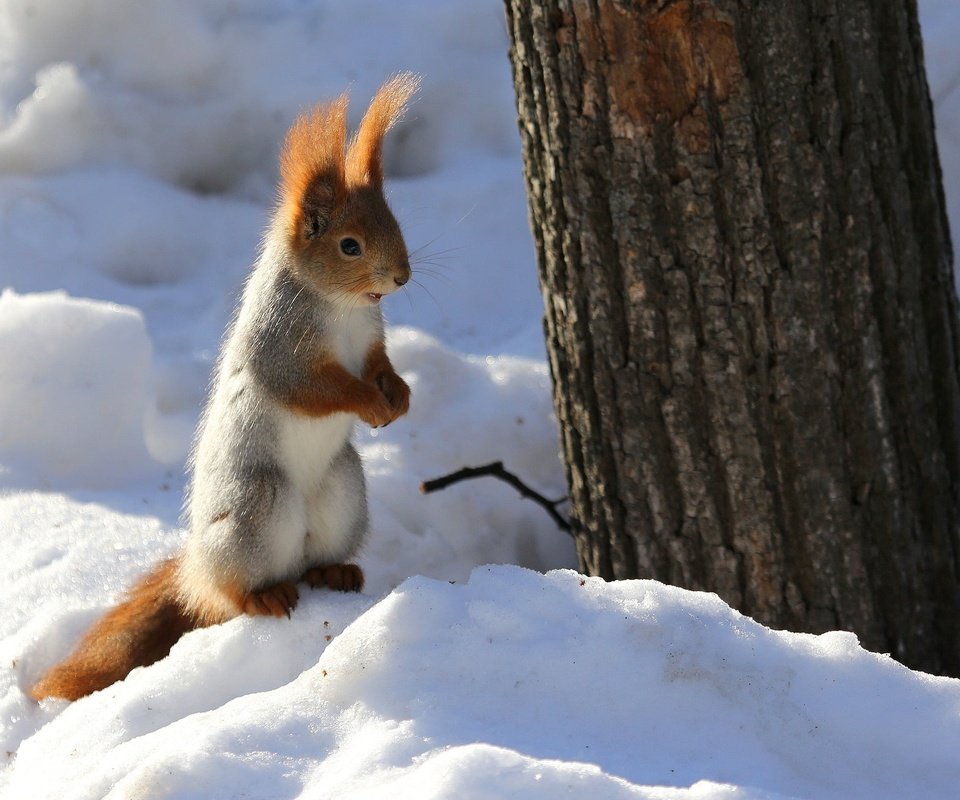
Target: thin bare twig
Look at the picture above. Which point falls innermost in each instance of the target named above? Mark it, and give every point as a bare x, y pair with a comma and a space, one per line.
496, 470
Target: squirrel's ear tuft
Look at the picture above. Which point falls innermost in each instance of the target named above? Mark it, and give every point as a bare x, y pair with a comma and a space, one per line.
365, 155
312, 181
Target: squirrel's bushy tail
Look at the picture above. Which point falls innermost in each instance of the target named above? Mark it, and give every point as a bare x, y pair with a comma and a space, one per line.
137, 632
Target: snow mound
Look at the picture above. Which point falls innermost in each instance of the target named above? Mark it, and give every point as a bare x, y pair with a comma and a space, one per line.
199, 94
137, 162
464, 411
515, 685
75, 377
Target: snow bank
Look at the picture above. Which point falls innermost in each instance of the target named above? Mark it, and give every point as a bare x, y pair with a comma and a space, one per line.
199, 94
137, 164
129, 230
514, 685
75, 389
463, 411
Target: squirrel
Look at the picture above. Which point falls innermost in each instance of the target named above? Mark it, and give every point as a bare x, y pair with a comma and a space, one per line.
277, 492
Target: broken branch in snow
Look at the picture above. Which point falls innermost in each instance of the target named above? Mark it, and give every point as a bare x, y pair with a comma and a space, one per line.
496, 470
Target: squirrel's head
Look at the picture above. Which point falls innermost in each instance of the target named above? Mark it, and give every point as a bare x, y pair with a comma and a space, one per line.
342, 237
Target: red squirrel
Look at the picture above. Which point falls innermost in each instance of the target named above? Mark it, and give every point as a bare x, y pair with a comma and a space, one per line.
277, 492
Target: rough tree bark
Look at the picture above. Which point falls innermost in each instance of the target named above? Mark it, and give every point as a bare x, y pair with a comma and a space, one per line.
750, 311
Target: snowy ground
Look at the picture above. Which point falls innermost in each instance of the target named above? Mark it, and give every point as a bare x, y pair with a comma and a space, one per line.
137, 163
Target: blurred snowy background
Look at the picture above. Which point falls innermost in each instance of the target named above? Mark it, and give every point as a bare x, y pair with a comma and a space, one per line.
138, 150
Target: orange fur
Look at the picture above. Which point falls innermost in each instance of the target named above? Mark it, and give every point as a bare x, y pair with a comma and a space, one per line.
378, 370
330, 190
316, 167
277, 600
365, 155
138, 632
312, 162
376, 363
378, 397
334, 390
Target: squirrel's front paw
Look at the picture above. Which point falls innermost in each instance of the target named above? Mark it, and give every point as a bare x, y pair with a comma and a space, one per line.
396, 391
378, 412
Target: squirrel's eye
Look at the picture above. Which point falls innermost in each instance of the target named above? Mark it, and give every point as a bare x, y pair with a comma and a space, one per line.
350, 247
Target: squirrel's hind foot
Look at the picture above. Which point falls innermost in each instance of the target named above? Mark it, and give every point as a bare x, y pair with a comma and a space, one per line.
342, 577
274, 601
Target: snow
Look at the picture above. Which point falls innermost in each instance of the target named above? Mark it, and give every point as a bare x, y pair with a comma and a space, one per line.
514, 684
75, 377
137, 163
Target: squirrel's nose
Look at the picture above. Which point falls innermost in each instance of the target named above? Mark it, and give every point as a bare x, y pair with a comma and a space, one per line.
402, 280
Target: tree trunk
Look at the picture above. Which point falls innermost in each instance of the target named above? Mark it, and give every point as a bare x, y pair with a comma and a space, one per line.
750, 311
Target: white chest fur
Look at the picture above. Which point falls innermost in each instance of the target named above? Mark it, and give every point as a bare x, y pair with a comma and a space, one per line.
352, 335
306, 445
